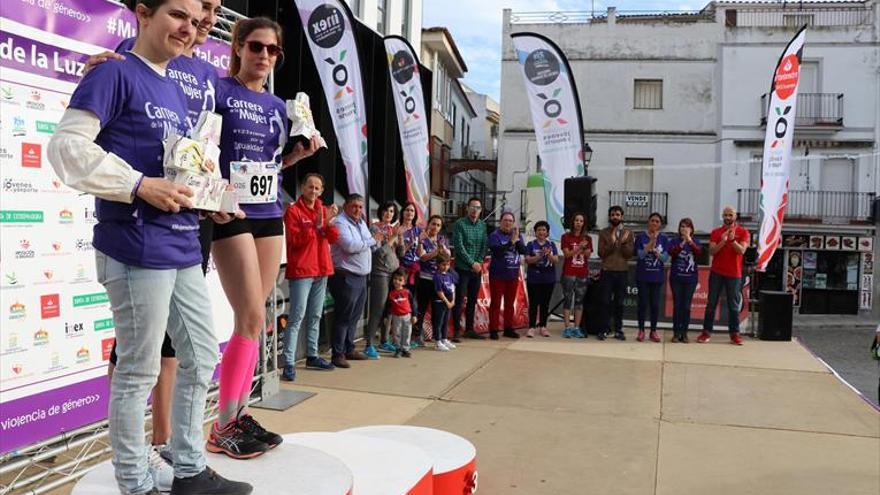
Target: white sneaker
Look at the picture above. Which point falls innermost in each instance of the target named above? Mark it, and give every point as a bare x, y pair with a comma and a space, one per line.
160, 470
448, 344
441, 346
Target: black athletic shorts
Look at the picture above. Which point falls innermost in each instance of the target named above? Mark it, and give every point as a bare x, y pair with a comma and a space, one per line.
167, 350
258, 228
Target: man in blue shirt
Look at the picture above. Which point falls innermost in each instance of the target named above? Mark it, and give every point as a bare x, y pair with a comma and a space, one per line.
352, 261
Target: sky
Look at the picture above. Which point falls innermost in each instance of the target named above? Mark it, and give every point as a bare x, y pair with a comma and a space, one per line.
476, 27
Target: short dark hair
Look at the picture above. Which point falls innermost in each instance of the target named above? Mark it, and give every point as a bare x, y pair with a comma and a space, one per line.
658, 215
541, 223
442, 257
687, 222
506, 213
438, 217
384, 206
615, 208
474, 198
353, 197
399, 273
316, 176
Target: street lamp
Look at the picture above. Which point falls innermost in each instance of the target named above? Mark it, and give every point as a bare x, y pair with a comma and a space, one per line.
588, 155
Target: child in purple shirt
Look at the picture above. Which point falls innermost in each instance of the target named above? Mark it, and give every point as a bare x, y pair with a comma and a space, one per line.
444, 299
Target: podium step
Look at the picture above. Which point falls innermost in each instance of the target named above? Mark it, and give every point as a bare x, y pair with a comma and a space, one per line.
454, 457
289, 468
379, 466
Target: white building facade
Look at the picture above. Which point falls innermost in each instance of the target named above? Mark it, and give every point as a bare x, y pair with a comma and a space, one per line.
672, 107
400, 17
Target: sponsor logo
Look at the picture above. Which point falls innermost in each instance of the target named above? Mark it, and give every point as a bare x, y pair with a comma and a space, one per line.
90, 215
80, 275
31, 155
18, 127
41, 337
55, 361
24, 251
107, 348
72, 330
17, 311
17, 368
83, 355
7, 95
5, 154
44, 127
12, 343
11, 281
326, 26
94, 299
50, 306
18, 186
21, 216
104, 324
56, 249
65, 216
34, 100
83, 244
542, 67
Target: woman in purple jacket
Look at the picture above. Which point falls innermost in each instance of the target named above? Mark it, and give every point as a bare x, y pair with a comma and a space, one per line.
506, 247
683, 277
651, 248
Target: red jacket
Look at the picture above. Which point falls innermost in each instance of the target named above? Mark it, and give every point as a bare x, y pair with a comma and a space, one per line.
308, 248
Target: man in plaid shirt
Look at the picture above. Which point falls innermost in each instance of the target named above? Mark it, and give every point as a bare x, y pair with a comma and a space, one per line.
469, 240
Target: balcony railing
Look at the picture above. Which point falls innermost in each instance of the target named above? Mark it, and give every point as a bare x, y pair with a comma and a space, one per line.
813, 109
826, 16
832, 207
638, 205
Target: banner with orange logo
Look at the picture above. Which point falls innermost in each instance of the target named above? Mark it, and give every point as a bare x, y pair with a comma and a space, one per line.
778, 140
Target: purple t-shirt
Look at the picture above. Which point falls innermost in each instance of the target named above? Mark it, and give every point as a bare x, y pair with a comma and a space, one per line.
445, 283
411, 238
428, 268
254, 130
684, 264
649, 267
542, 271
138, 108
505, 263
197, 79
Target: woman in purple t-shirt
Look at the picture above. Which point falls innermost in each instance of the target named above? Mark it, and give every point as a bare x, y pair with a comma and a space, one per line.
109, 144
431, 244
247, 251
506, 247
541, 278
683, 277
651, 248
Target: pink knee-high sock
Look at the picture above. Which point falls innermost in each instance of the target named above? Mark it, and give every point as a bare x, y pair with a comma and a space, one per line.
233, 370
247, 380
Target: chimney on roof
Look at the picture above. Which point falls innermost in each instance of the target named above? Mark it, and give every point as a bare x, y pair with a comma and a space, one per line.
612, 15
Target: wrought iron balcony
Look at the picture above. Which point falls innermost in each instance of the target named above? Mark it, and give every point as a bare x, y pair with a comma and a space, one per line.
772, 16
638, 205
813, 110
831, 207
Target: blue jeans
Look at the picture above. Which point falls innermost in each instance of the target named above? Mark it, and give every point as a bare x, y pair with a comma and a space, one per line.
733, 288
468, 285
306, 307
649, 301
349, 295
145, 302
682, 295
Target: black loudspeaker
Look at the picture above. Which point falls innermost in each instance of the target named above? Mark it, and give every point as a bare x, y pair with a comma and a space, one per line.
580, 196
774, 320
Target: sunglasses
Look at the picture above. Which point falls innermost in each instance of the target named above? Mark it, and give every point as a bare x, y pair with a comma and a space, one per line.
257, 47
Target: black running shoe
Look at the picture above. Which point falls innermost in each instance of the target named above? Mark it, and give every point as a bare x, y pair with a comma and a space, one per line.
250, 425
208, 482
235, 442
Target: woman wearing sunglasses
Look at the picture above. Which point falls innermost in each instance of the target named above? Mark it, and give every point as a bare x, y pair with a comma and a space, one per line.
247, 251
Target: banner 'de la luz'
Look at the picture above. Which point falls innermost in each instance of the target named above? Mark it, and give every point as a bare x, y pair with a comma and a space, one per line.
330, 31
406, 88
556, 116
776, 165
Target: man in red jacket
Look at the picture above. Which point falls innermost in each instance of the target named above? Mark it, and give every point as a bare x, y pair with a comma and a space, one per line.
310, 231
727, 244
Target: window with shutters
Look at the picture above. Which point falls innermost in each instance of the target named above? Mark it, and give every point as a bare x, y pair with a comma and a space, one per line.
639, 175
648, 94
